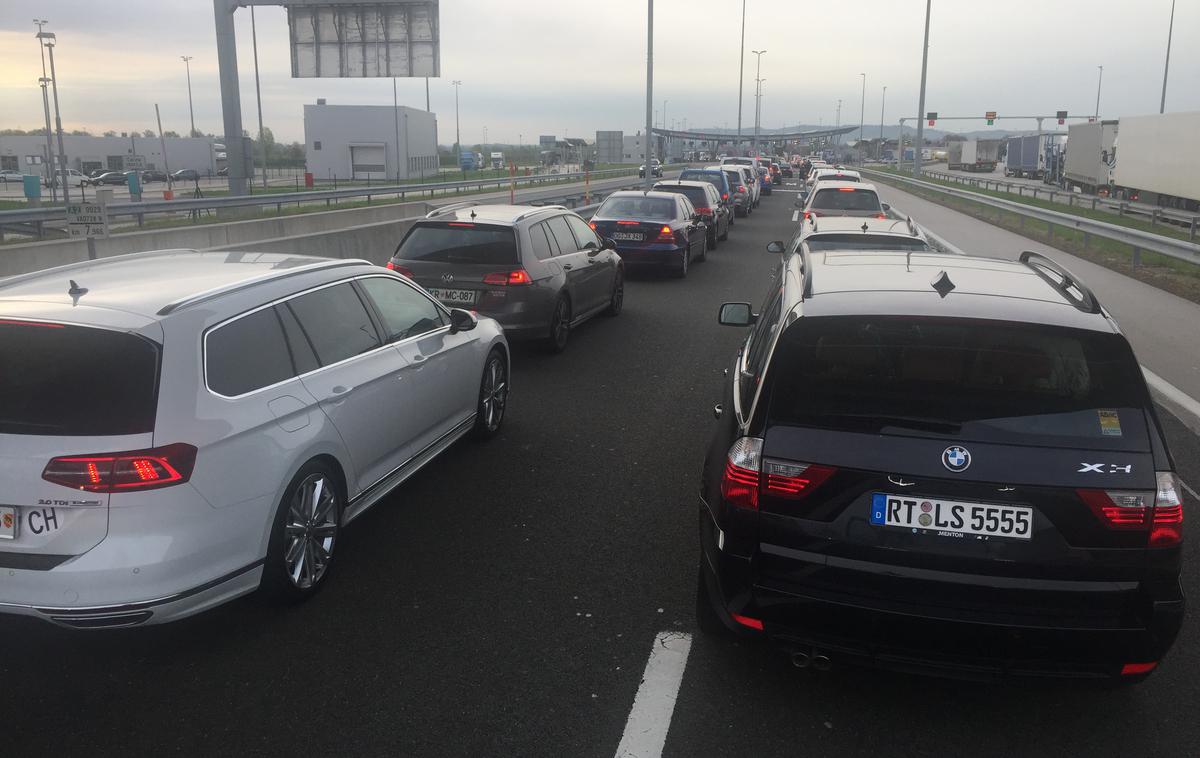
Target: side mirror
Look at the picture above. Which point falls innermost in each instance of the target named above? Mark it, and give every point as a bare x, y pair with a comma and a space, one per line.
736, 314
697, 217
886, 207
462, 321
775, 247
607, 243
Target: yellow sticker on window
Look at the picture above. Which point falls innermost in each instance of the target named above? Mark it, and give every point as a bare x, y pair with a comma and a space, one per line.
1110, 423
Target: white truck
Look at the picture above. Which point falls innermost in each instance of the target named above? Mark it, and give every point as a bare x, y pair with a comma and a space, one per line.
1155, 160
1090, 155
973, 155
497, 160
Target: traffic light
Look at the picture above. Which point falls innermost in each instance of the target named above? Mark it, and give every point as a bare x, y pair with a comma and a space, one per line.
991, 117
932, 116
1062, 117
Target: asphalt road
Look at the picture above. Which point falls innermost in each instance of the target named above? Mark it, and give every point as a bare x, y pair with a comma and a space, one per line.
505, 601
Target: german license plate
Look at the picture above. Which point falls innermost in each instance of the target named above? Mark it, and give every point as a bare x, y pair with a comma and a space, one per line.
457, 297
629, 236
8, 522
951, 518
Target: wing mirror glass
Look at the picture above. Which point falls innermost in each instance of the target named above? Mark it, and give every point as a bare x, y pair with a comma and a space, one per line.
462, 321
775, 247
886, 207
736, 314
608, 243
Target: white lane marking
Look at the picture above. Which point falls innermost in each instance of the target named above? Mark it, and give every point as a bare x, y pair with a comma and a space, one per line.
1183, 406
646, 728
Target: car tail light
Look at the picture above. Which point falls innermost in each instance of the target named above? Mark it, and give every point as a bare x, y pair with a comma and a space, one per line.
794, 481
725, 196
509, 278
739, 483
881, 217
593, 225
746, 621
461, 225
845, 189
1160, 511
13, 322
1134, 669
666, 235
741, 188
704, 211
628, 223
123, 472
807, 215
400, 270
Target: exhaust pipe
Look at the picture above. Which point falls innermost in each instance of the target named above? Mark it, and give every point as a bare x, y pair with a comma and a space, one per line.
821, 662
801, 660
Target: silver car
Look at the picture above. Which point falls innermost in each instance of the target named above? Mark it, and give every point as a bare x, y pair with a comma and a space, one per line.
539, 271
181, 428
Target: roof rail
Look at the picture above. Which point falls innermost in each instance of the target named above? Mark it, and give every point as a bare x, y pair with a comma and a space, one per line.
451, 207
1048, 270
8, 281
806, 269
201, 297
540, 209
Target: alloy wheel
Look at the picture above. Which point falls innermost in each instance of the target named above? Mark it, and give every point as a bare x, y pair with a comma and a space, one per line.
310, 531
493, 393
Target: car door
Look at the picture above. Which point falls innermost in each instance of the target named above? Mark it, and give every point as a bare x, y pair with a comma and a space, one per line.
601, 267
439, 385
696, 231
574, 263
356, 384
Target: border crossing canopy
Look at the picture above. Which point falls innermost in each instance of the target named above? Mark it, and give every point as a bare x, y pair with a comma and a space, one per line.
364, 39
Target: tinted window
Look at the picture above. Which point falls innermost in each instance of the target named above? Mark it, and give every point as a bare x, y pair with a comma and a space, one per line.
760, 343
846, 199
583, 233
247, 354
541, 245
303, 357
405, 312
696, 194
558, 228
863, 242
638, 207
735, 178
72, 380
460, 243
987, 381
713, 178
335, 322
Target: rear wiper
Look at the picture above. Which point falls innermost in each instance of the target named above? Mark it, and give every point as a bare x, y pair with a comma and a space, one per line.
908, 422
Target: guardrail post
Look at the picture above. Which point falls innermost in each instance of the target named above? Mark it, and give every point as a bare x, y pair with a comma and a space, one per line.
1154, 217
1137, 256
1034, 192
1121, 208
1050, 230
1070, 201
1087, 238
1094, 203
1192, 231
1020, 190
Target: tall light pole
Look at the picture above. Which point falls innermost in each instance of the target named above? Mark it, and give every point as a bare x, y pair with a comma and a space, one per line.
457, 134
921, 102
1162, 104
191, 111
648, 174
882, 109
44, 81
837, 122
758, 54
1098, 83
741, 73
862, 108
396, 119
258, 96
49, 41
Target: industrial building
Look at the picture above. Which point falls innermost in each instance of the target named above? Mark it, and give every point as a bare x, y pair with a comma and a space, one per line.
87, 154
369, 142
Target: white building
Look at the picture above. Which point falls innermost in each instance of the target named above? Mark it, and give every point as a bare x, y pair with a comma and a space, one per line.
376, 142
88, 154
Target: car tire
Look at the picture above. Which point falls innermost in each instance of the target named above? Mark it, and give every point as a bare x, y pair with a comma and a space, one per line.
681, 269
560, 326
713, 239
703, 250
617, 301
725, 236
308, 519
493, 396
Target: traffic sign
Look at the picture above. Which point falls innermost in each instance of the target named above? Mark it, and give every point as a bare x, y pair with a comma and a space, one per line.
1062, 117
135, 162
991, 117
87, 220
932, 116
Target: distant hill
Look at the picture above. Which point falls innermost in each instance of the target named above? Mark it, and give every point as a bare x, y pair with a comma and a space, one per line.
890, 131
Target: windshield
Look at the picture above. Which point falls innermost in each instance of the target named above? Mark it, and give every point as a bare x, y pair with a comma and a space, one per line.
851, 241
846, 199
460, 243
983, 381
638, 207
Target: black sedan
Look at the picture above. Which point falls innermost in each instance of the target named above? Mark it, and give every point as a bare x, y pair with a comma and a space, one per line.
153, 176
653, 229
717, 213
120, 178
186, 175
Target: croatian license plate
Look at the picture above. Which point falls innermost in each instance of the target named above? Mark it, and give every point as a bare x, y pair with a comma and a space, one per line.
8, 522
457, 297
951, 518
629, 236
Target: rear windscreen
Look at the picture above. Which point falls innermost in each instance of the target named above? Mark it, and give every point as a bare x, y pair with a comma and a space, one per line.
851, 241
696, 194
75, 381
460, 243
703, 176
638, 207
975, 380
846, 199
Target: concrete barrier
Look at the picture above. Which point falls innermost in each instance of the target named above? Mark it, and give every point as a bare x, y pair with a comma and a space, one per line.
373, 242
254, 234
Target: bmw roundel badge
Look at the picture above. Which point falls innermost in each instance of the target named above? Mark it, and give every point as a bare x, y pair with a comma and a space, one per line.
956, 458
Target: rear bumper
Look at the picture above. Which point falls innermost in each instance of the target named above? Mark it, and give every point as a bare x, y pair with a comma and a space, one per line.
940, 639
652, 256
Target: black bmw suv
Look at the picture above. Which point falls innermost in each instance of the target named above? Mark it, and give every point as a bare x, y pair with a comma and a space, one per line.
943, 464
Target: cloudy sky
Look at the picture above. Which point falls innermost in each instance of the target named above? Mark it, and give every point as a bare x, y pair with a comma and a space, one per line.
569, 67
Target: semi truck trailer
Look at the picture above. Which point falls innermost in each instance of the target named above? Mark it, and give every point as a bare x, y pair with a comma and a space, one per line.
1090, 156
1154, 160
973, 155
1026, 156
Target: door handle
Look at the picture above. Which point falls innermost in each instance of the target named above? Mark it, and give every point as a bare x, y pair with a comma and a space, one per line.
567, 267
418, 359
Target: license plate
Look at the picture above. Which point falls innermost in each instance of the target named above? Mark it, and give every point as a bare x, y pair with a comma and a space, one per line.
629, 236
8, 522
458, 297
952, 518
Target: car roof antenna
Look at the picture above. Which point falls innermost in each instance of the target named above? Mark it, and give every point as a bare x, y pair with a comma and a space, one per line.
76, 292
942, 284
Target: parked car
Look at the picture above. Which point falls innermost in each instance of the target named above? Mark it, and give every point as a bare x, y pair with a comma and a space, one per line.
119, 178
152, 175
720, 180
707, 203
538, 271
180, 428
659, 229
743, 204
656, 168
835, 198
940, 463
11, 175
74, 179
186, 175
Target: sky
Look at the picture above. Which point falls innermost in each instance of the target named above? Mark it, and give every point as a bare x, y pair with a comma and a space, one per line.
569, 68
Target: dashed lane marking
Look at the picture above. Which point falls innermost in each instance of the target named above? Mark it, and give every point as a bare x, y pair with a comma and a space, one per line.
646, 729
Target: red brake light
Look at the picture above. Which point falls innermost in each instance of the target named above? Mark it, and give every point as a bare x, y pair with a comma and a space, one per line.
509, 278
13, 322
882, 217
741, 188
1160, 511
593, 225
739, 483
725, 196
628, 223
845, 189
1133, 669
401, 270
460, 224
795, 481
665, 234
121, 472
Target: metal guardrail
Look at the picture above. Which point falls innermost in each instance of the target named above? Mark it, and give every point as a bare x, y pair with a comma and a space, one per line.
1135, 238
1156, 214
936, 241
41, 216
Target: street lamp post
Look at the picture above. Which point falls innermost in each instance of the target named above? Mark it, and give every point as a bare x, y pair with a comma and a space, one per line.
1098, 83
62, 153
862, 108
191, 111
258, 97
457, 133
882, 109
648, 174
741, 73
45, 80
921, 103
1162, 104
757, 95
